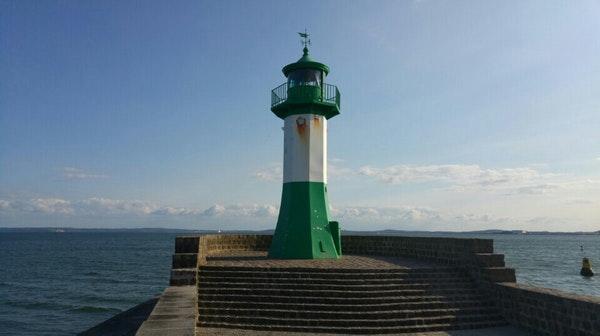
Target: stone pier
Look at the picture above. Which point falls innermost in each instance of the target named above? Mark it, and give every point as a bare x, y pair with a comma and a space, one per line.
383, 284
226, 285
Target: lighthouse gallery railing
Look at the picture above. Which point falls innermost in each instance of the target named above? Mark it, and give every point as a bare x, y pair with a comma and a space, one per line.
329, 93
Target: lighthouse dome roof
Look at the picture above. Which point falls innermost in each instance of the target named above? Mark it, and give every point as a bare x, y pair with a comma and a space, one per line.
305, 62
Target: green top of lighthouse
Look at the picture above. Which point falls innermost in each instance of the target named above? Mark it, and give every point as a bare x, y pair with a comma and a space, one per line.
305, 90
305, 62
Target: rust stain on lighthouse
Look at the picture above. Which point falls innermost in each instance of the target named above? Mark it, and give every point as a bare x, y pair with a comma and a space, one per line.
316, 121
301, 126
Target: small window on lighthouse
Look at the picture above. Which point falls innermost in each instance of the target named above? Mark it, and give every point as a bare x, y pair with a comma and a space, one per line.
305, 77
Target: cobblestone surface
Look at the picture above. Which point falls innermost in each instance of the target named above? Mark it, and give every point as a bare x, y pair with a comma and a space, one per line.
260, 259
502, 331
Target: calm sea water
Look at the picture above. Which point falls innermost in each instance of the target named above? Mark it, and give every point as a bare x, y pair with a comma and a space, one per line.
64, 283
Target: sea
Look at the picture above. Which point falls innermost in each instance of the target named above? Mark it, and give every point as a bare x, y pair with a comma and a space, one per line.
62, 283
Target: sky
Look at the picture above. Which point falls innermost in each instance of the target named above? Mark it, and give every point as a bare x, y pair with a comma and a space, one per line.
455, 115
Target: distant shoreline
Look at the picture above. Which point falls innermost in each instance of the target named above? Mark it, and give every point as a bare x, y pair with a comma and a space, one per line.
347, 232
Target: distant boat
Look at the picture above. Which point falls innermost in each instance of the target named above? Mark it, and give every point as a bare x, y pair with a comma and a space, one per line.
59, 231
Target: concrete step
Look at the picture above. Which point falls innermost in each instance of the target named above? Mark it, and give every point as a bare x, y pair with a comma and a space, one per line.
342, 300
270, 273
293, 298
436, 269
352, 323
326, 314
204, 278
343, 287
334, 293
359, 330
433, 304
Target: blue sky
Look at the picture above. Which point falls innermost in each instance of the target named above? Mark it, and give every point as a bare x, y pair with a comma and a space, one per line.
456, 115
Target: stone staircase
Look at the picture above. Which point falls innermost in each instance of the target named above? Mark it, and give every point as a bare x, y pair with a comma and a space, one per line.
348, 301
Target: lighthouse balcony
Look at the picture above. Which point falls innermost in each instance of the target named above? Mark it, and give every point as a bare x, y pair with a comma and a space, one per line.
321, 99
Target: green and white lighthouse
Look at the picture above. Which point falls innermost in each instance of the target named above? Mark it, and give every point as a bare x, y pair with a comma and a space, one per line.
305, 103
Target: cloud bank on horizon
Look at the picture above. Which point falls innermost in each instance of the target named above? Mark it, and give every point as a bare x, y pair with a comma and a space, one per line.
509, 184
113, 213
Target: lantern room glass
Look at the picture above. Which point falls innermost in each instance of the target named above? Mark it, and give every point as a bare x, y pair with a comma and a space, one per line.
305, 77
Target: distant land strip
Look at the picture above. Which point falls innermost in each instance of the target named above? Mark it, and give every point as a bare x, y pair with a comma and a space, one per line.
345, 232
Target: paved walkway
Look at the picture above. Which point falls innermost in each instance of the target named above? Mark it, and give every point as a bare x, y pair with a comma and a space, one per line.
259, 259
503, 331
173, 315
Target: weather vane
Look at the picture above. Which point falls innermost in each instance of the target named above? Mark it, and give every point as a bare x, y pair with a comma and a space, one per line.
305, 38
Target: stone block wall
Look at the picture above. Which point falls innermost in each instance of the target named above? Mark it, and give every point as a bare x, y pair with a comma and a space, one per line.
221, 243
211, 244
440, 250
454, 251
187, 244
450, 251
547, 311
191, 251
476, 256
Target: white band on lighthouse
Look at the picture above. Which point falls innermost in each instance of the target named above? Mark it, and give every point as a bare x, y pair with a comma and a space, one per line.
305, 148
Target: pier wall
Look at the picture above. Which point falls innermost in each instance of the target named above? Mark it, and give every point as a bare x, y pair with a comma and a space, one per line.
542, 311
474, 255
548, 311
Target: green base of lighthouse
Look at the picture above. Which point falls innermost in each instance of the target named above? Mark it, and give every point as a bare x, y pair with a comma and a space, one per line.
303, 228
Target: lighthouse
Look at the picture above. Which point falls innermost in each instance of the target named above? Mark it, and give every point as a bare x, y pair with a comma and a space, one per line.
305, 103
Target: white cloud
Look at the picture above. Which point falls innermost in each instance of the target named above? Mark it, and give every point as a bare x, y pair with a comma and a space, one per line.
536, 189
547, 222
97, 206
50, 205
90, 206
71, 173
402, 218
253, 210
336, 171
419, 218
504, 181
406, 213
580, 201
273, 173
459, 178
37, 205
4, 205
106, 206
172, 211
213, 211
454, 174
